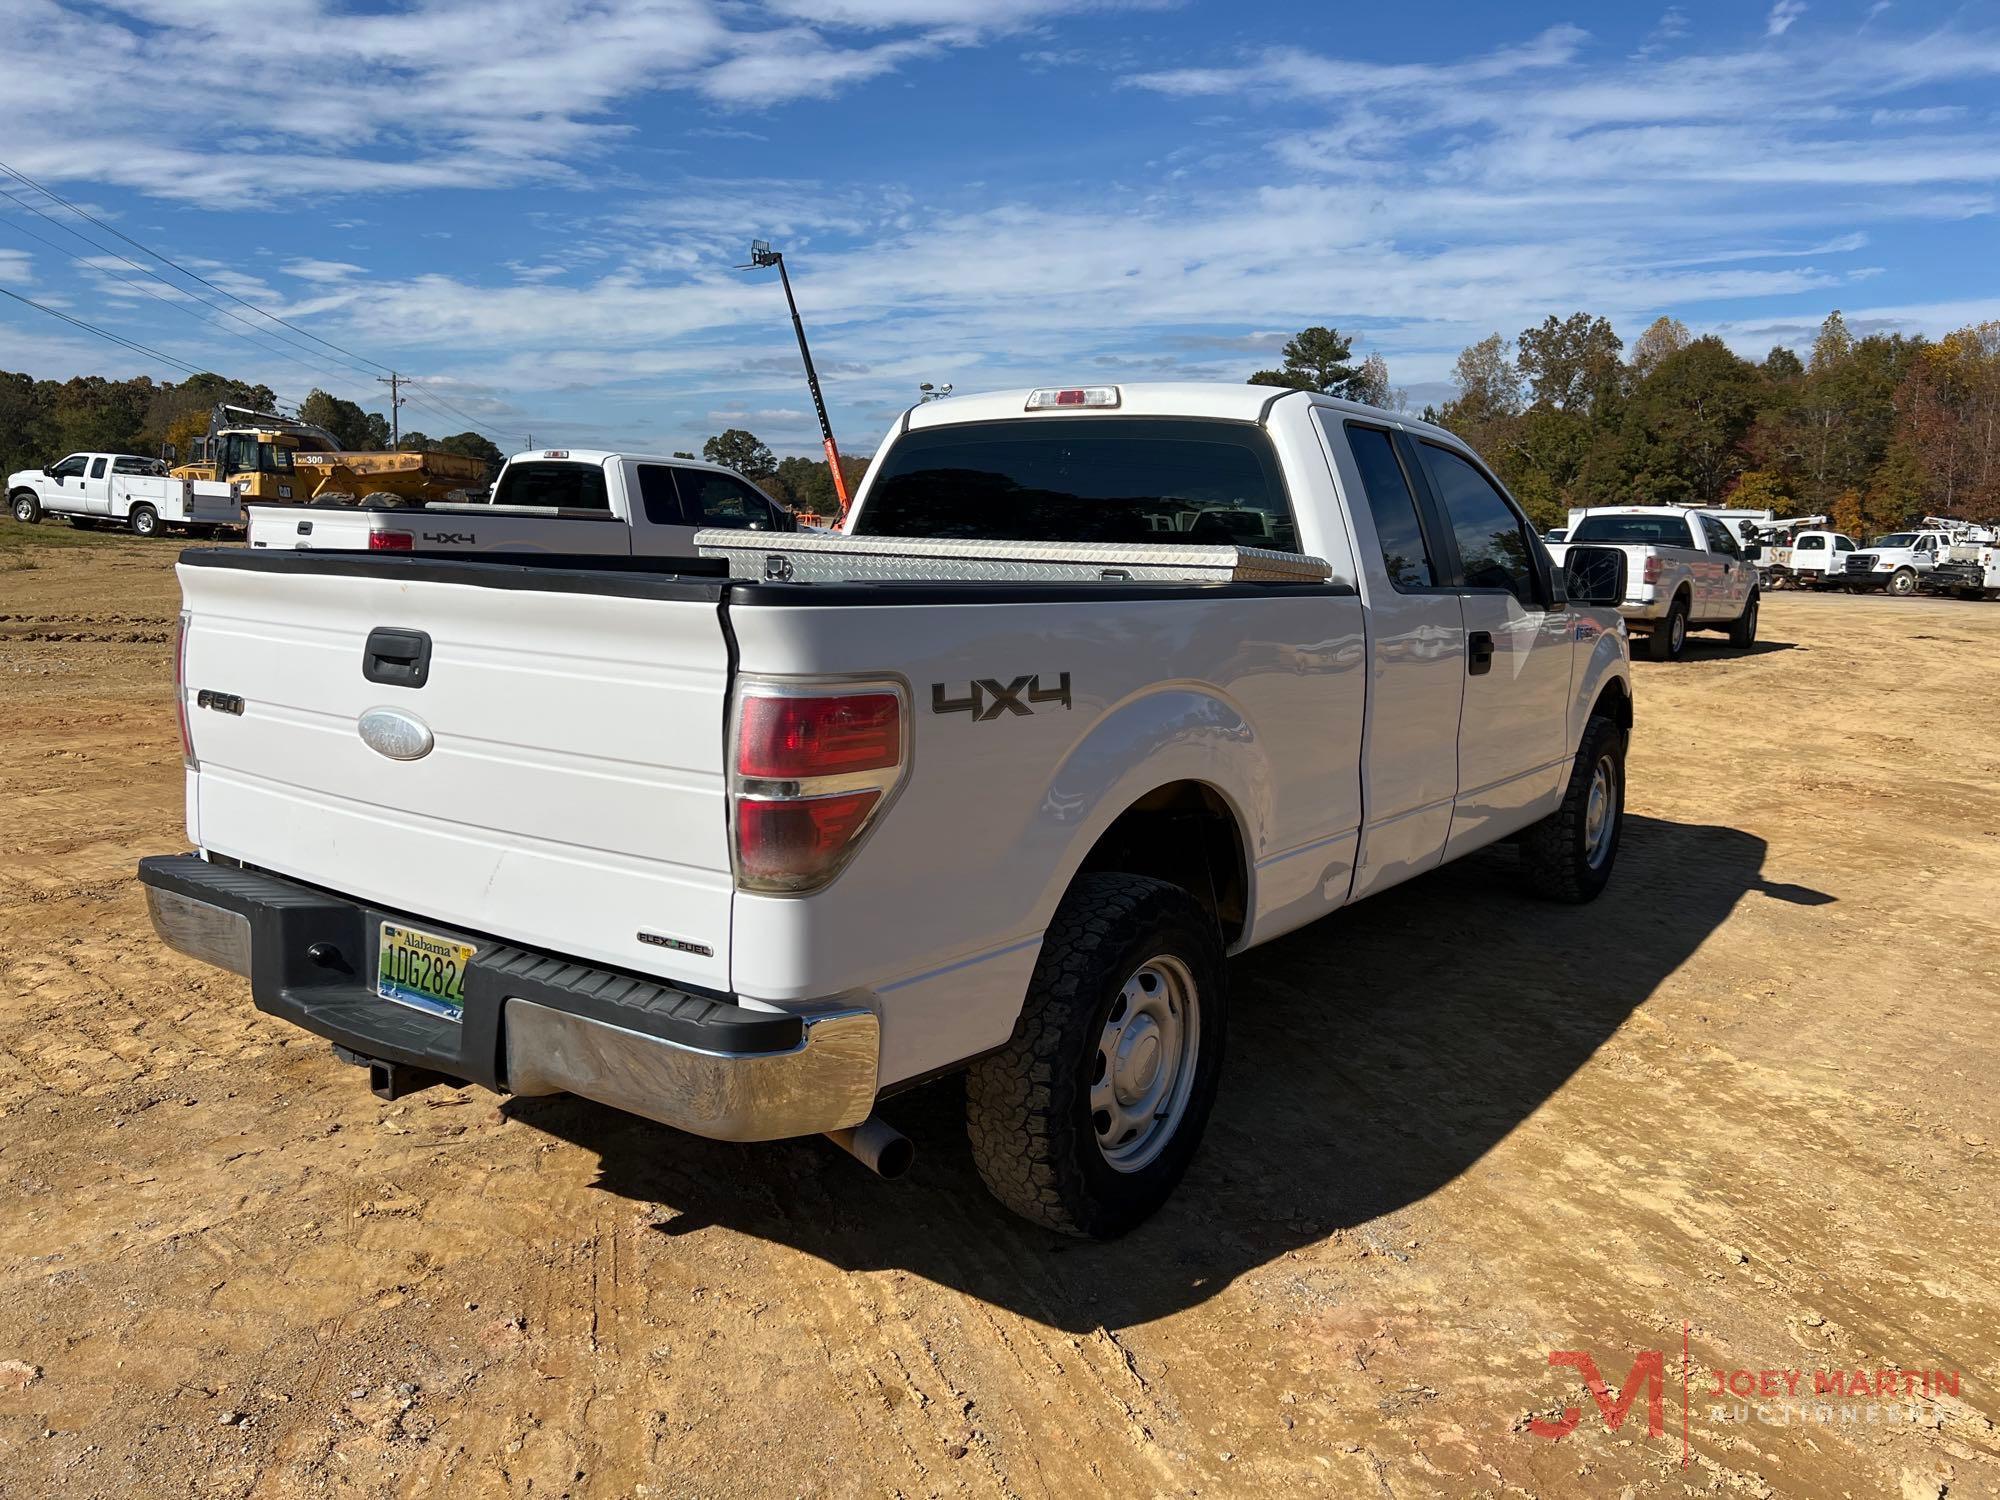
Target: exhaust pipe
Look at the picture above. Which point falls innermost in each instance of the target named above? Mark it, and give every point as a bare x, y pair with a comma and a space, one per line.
877, 1145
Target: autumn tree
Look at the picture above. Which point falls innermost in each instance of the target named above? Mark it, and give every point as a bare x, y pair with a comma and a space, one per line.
1663, 336
1681, 436
1572, 364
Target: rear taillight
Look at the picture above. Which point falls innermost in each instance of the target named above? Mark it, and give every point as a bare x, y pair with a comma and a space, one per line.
1652, 567
391, 541
810, 770
181, 693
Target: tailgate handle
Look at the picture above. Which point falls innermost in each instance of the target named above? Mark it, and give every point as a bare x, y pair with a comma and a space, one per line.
400, 658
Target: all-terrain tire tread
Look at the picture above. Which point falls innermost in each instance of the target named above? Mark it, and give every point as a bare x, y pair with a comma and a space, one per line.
1019, 1101
1549, 861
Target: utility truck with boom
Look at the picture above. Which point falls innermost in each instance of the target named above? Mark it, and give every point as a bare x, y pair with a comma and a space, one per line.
992, 782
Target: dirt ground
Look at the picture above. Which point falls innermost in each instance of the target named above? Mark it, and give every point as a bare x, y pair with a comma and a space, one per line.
1746, 1100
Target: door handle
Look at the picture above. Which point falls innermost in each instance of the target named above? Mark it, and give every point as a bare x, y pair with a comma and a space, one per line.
1478, 653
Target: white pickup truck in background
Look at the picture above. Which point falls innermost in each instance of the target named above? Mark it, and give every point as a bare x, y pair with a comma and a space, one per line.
120, 489
1809, 560
1687, 572
566, 501
743, 855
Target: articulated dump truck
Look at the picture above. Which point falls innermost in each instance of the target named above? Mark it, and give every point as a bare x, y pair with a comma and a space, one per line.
270, 459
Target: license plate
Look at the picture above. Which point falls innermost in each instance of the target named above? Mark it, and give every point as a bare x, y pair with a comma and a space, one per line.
422, 970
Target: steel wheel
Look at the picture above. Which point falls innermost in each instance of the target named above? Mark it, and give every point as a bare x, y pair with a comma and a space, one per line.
1679, 627
24, 511
1145, 1063
1600, 812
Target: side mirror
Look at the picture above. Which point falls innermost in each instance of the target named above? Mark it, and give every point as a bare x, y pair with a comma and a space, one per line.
1595, 576
48, 471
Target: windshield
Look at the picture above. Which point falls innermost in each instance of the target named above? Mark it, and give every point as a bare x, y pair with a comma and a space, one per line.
1896, 539
1670, 531
554, 486
1084, 479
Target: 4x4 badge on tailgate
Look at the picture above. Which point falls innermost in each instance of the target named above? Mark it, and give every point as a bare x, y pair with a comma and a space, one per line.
987, 699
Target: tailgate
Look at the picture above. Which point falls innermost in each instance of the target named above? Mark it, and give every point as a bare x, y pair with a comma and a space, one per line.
573, 795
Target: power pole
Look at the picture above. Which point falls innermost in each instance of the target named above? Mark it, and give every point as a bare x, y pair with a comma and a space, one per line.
762, 255
394, 382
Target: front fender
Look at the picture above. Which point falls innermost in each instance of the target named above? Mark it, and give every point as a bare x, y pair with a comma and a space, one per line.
1603, 656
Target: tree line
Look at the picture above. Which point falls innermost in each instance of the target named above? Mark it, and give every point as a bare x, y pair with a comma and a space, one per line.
1873, 431
804, 485
42, 420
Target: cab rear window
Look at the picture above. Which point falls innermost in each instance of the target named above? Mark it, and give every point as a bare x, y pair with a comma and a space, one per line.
1084, 479
1666, 531
554, 486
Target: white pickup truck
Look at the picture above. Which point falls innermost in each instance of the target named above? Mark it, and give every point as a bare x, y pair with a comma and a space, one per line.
1686, 572
1809, 560
557, 500
1893, 563
120, 489
742, 855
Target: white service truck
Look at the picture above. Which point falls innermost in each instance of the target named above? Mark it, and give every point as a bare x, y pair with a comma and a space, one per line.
1686, 571
555, 500
744, 855
1809, 560
1894, 563
120, 489
1969, 568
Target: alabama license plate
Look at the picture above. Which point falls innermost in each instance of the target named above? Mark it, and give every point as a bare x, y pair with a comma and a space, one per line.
422, 970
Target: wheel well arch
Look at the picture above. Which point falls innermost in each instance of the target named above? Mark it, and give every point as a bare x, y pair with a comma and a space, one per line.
1186, 833
1614, 701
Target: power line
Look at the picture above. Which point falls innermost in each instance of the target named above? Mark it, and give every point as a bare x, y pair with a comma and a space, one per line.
150, 353
191, 275
156, 276
177, 306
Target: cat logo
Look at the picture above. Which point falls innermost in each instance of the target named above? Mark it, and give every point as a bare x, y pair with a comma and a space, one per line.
986, 699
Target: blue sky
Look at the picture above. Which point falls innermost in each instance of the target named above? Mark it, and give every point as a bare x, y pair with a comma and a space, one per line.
535, 207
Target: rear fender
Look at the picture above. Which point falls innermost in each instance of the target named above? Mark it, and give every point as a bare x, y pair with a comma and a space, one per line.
1172, 734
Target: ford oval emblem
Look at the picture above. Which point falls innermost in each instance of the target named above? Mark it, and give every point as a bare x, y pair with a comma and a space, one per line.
400, 736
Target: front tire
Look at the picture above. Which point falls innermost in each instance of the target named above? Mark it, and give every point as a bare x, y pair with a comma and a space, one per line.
27, 507
144, 520
1569, 854
1087, 1119
1670, 637
1903, 582
1743, 630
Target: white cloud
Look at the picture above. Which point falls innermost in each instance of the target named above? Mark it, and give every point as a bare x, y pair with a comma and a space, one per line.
1782, 15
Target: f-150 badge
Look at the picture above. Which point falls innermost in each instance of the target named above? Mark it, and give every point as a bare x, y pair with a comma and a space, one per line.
986, 699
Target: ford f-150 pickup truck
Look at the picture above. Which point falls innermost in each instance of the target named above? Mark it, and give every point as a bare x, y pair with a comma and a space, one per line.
1686, 572
559, 500
745, 854
120, 489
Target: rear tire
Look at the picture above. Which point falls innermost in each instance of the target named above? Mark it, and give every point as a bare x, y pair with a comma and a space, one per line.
27, 507
144, 520
1569, 854
1743, 631
1670, 637
1088, 1117
1902, 583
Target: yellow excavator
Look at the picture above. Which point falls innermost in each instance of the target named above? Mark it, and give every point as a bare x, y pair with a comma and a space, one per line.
268, 459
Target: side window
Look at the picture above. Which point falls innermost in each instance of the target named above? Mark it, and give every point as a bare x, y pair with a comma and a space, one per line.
1812, 544
1843, 544
1492, 538
1393, 504
657, 494
71, 467
1719, 538
97, 468
721, 500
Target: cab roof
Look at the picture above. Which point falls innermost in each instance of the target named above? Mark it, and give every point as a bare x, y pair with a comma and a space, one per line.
1227, 401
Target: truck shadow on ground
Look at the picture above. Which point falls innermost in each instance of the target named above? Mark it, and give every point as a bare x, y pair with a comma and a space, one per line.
1373, 1057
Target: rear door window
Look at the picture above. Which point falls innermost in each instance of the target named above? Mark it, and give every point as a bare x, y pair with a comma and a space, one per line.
1393, 504
659, 497
553, 485
97, 468
1084, 479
